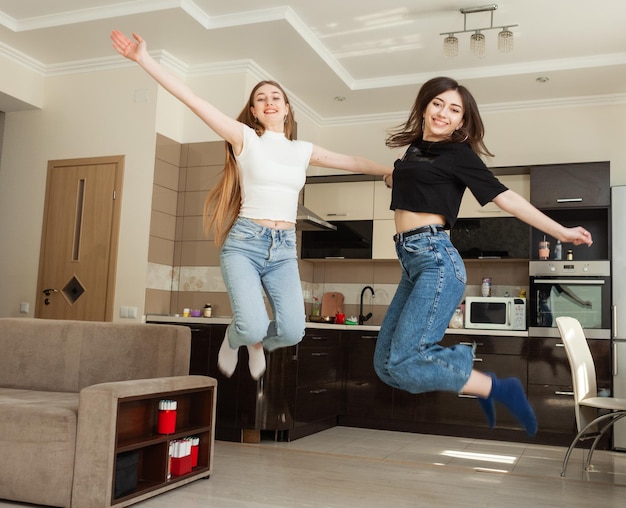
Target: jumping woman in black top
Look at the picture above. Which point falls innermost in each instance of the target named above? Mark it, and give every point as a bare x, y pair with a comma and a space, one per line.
444, 135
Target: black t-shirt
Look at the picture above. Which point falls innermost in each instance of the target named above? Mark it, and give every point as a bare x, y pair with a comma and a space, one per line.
432, 177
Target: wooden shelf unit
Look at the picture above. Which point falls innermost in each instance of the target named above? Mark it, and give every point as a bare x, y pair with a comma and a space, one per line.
136, 430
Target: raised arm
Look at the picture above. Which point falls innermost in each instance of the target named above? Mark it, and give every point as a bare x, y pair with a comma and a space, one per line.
224, 126
327, 159
510, 201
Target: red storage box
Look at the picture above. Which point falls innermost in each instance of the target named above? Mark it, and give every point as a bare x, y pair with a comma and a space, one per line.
180, 466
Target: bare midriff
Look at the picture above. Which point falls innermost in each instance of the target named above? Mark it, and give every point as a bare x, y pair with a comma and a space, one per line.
274, 224
406, 221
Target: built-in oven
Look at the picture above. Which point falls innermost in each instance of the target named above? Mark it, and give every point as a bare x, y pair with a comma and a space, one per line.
580, 289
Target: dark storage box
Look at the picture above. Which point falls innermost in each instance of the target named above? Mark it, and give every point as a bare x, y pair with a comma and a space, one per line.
126, 473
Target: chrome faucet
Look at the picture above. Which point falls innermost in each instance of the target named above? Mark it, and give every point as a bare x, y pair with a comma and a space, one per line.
363, 318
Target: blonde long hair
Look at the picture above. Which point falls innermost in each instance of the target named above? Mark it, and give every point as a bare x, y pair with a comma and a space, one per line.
223, 201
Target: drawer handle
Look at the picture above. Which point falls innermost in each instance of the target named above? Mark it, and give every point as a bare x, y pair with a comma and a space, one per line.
569, 200
320, 390
317, 337
319, 354
369, 336
465, 396
478, 360
569, 394
337, 214
559, 344
471, 344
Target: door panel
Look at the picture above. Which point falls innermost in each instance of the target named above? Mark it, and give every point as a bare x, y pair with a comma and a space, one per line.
79, 240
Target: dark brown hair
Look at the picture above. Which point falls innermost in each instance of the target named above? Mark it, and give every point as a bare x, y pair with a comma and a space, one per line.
472, 131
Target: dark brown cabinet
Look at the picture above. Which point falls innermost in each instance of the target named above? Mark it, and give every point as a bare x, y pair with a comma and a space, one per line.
505, 356
319, 382
329, 379
550, 383
366, 396
573, 195
579, 185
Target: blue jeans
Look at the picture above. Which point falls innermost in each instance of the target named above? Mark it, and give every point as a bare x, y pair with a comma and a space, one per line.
408, 354
255, 259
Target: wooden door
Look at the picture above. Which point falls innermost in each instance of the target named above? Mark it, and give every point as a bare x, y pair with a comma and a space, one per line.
79, 239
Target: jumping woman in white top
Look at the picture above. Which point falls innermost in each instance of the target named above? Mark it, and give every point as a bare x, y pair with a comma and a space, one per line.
252, 210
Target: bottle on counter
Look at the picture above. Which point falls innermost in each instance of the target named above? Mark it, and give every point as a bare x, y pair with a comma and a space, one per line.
208, 311
570, 255
558, 251
486, 286
544, 249
457, 319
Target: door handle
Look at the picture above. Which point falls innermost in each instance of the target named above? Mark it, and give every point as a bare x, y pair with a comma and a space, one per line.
48, 292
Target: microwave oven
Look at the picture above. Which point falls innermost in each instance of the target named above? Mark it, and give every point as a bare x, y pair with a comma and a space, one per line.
495, 313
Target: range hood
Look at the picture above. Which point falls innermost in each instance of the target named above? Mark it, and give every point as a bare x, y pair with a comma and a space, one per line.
306, 220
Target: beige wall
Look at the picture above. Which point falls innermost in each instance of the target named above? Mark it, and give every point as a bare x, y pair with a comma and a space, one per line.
120, 111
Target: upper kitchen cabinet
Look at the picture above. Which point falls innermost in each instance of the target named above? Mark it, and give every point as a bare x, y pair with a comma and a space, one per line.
341, 201
382, 201
383, 246
471, 209
579, 185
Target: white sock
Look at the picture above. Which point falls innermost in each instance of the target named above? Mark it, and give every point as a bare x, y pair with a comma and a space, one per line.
256, 361
227, 357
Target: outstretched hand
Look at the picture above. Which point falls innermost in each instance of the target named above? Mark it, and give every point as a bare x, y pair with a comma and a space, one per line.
127, 47
578, 236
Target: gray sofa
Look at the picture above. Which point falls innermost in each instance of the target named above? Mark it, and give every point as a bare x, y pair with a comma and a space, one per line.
59, 385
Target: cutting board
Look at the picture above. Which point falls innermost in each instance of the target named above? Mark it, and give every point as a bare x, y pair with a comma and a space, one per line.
332, 303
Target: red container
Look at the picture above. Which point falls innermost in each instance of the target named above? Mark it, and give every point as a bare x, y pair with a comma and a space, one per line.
181, 465
166, 421
194, 455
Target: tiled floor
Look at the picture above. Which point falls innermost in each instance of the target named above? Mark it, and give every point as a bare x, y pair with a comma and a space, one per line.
474, 454
360, 468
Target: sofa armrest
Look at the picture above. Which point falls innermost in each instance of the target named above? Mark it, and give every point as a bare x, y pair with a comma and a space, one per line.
138, 387
96, 433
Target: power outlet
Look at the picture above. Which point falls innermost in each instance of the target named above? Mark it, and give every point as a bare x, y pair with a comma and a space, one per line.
128, 312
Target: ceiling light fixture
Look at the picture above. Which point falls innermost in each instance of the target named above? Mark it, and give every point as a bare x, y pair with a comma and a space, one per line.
477, 39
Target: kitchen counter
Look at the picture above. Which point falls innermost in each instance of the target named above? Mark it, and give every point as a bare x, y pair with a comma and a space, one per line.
164, 318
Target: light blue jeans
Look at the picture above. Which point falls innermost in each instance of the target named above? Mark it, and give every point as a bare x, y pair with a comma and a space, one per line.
255, 259
408, 355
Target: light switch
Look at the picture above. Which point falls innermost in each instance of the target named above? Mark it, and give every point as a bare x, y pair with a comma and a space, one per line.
24, 308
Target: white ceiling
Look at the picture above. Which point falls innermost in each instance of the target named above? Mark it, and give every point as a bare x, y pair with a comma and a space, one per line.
375, 53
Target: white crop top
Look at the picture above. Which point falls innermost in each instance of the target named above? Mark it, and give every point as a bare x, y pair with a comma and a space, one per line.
272, 170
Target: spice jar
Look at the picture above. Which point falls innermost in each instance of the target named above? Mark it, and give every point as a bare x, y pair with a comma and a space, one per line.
207, 310
570, 255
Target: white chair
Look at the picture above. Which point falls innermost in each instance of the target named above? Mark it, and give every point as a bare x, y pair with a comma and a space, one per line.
594, 415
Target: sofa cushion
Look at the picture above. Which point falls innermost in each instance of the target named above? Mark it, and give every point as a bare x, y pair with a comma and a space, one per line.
37, 438
67, 356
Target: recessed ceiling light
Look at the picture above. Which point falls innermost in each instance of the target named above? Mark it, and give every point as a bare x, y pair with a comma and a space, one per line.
340, 98
542, 79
